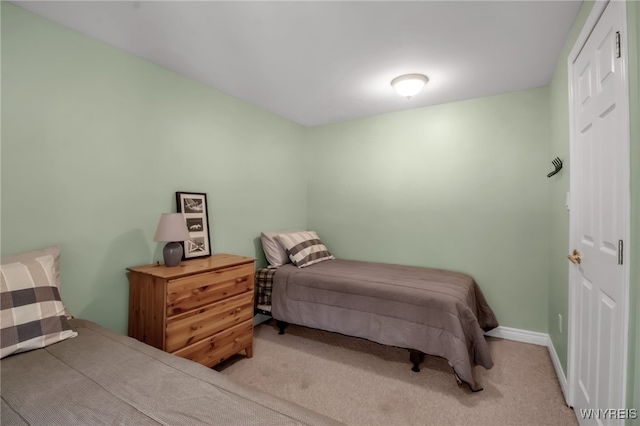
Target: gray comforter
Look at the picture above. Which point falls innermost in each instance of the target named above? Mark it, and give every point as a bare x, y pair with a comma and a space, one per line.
100, 377
437, 312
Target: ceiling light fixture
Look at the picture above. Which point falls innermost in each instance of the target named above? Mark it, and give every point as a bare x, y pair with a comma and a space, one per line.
409, 85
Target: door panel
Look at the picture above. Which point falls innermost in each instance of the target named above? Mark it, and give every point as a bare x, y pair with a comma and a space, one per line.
585, 359
600, 185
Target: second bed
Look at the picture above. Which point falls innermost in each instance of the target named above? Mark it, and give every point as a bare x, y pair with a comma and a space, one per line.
429, 311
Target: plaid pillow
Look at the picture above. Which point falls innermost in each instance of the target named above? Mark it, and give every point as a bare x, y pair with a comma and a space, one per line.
52, 250
32, 315
304, 248
264, 285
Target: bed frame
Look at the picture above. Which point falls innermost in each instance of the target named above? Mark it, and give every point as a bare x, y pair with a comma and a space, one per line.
415, 357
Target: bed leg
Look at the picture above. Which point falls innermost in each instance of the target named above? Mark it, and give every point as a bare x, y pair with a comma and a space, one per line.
281, 326
416, 357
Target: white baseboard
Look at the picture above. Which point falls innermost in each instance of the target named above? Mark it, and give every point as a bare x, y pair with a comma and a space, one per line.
525, 336
559, 372
535, 338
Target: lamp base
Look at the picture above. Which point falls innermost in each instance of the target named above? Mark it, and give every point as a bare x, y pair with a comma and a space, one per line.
172, 253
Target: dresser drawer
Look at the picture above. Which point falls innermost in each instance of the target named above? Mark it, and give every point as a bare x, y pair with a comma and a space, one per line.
192, 292
190, 327
220, 346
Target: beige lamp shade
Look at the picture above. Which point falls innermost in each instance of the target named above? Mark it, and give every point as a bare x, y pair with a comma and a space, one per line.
172, 227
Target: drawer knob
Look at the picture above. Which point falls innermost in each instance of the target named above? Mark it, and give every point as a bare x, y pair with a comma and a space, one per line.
237, 339
194, 327
238, 309
239, 280
195, 291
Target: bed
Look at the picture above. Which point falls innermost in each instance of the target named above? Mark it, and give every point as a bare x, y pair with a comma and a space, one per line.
100, 377
58, 370
428, 311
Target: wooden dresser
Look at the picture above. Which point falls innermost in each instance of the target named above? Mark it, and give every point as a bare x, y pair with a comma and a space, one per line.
201, 310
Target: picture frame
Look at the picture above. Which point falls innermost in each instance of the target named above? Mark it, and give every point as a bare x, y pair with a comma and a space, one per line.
193, 206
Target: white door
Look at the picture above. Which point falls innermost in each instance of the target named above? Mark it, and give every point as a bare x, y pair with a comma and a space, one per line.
599, 221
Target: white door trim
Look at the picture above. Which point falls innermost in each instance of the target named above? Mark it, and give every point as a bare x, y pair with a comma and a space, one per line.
594, 16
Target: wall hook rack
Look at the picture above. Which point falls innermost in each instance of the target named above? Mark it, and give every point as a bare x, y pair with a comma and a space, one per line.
557, 163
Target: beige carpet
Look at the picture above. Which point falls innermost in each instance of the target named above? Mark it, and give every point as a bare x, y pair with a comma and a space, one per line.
359, 382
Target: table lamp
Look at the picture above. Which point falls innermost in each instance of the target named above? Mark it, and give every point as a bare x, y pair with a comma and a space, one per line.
172, 228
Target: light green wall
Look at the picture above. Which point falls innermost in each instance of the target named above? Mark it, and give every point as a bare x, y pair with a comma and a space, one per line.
95, 142
558, 232
460, 186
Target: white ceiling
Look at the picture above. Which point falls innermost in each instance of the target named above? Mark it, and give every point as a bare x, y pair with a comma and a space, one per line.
318, 62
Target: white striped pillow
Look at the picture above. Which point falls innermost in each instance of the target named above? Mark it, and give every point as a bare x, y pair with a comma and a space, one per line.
31, 312
273, 250
30, 255
304, 248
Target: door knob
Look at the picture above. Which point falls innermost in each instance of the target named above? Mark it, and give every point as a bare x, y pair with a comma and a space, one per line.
575, 257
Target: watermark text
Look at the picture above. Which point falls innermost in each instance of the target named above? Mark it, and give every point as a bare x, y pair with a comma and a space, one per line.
609, 413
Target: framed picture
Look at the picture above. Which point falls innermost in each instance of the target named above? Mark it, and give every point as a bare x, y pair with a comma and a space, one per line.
193, 206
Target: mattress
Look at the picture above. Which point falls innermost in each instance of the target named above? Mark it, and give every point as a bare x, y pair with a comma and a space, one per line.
100, 377
438, 312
